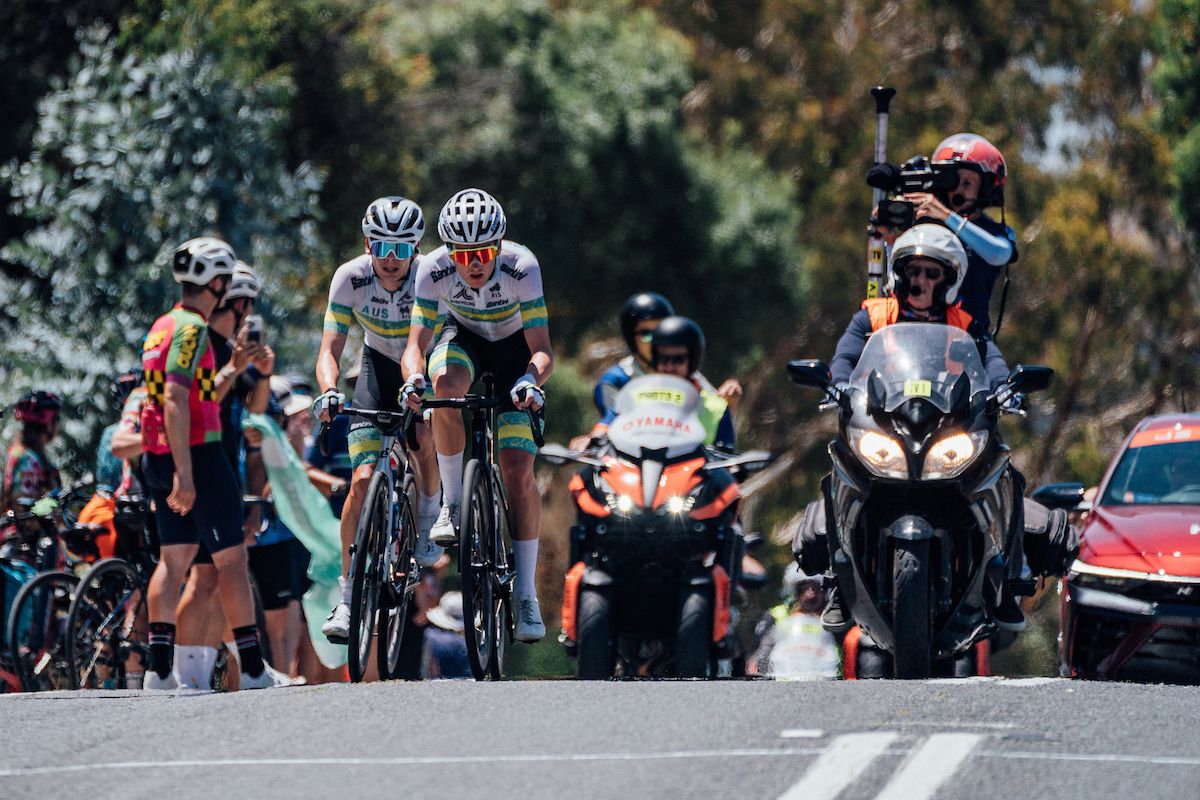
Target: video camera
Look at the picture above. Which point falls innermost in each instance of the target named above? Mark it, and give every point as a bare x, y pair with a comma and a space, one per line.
914, 175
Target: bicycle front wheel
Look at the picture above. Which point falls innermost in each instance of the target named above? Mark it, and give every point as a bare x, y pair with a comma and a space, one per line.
477, 533
400, 583
366, 572
107, 627
37, 630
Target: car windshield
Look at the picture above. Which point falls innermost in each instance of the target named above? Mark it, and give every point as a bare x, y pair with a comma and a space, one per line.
920, 359
1156, 474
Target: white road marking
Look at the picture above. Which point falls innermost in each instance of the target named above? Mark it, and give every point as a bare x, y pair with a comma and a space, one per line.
997, 726
929, 767
846, 758
801, 733
413, 760
1032, 681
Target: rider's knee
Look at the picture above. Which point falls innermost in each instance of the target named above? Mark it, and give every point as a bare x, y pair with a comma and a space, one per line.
361, 476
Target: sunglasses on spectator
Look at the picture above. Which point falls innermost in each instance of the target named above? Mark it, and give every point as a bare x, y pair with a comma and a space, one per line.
464, 256
397, 249
670, 361
932, 273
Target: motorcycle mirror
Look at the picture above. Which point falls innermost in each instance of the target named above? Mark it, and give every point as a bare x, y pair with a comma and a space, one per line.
809, 372
1026, 378
1059, 495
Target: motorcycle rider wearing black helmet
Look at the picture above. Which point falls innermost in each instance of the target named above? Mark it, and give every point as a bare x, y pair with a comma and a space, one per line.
640, 315
927, 269
677, 348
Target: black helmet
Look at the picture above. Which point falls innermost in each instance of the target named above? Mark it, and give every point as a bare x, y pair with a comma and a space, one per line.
680, 331
642, 306
39, 407
124, 384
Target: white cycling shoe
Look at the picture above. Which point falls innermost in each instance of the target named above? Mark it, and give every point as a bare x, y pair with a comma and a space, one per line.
152, 682
530, 627
337, 625
444, 532
269, 679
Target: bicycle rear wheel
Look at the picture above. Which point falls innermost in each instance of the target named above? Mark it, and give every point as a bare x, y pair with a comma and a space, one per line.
398, 587
476, 540
107, 626
37, 630
366, 571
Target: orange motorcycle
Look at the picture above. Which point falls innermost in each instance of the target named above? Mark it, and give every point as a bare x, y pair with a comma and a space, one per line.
657, 547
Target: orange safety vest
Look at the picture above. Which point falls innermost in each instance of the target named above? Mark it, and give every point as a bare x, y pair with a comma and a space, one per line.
884, 311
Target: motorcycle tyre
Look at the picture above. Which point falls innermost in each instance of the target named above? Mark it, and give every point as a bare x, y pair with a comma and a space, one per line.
693, 637
595, 658
912, 622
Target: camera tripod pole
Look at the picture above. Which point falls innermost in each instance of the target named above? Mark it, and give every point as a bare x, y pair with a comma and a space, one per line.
876, 247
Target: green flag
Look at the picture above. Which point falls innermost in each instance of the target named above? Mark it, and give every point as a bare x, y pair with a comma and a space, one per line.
307, 514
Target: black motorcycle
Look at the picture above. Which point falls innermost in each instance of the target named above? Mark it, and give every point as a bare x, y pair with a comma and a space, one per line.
923, 519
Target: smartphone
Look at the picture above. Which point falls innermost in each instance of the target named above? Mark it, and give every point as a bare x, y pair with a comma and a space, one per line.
254, 329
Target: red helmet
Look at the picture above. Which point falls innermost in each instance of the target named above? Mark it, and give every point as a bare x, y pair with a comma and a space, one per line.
39, 407
972, 151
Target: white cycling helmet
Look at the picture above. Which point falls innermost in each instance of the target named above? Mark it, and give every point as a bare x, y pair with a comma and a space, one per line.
394, 219
930, 240
471, 216
200, 260
243, 284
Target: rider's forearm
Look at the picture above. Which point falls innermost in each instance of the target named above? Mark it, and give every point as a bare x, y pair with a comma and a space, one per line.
328, 370
260, 396
126, 444
541, 364
178, 421
413, 360
995, 250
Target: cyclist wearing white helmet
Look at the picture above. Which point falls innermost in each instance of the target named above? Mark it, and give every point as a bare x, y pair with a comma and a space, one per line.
489, 290
375, 290
195, 495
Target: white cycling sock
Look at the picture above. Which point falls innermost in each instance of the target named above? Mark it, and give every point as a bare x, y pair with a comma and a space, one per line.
450, 468
525, 552
347, 589
194, 665
429, 504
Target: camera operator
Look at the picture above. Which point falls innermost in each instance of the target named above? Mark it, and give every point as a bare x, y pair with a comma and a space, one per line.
967, 176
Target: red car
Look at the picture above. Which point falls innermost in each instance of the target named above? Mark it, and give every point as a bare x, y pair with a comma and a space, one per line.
1131, 602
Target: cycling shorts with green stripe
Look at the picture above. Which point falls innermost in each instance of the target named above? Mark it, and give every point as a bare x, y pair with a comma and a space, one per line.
506, 360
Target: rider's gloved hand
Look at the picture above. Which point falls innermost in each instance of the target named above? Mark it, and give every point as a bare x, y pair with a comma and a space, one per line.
1014, 404
412, 390
527, 394
328, 405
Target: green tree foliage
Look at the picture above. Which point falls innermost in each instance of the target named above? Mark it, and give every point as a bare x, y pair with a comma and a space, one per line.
131, 157
1177, 79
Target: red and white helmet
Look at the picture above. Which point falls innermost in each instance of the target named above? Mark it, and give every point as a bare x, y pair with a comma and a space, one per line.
972, 151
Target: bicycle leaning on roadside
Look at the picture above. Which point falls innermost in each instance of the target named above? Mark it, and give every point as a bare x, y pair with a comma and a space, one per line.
383, 567
484, 556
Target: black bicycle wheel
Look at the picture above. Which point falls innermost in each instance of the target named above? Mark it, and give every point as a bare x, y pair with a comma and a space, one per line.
366, 573
37, 629
398, 587
476, 537
107, 626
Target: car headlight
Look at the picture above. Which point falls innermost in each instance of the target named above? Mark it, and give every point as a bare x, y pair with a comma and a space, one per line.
881, 454
951, 454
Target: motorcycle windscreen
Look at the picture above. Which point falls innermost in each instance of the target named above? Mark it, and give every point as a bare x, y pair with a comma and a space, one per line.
657, 412
919, 359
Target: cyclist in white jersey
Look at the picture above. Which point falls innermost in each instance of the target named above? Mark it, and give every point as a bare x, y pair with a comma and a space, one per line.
490, 293
375, 290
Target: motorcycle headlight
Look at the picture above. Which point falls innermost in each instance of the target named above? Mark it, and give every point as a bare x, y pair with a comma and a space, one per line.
620, 503
951, 454
882, 454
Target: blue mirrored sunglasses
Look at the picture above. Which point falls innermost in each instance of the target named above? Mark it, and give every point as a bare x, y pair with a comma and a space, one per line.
397, 249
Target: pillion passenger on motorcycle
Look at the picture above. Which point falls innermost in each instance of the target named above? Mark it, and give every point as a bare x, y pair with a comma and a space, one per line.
640, 316
972, 177
677, 348
927, 270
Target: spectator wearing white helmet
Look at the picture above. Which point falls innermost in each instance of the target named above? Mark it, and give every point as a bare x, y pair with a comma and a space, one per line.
192, 484
375, 291
243, 370
488, 290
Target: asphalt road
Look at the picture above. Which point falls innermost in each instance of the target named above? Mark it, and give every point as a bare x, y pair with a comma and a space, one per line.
1033, 738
